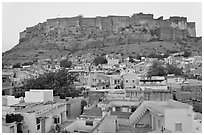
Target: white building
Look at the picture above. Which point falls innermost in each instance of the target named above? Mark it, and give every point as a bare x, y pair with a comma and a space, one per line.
38, 96
91, 123
164, 116
40, 113
127, 71
113, 61
7, 101
42, 117
131, 80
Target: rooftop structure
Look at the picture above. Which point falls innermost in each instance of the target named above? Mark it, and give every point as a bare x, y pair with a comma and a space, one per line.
165, 115
38, 95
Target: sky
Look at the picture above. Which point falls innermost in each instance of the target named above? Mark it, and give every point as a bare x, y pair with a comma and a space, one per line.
17, 16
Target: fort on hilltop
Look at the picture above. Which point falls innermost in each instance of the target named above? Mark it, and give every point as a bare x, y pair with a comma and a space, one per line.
169, 29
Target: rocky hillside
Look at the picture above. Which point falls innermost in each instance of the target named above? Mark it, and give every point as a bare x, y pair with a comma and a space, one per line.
62, 36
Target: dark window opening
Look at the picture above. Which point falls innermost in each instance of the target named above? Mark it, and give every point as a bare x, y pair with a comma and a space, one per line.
56, 120
89, 123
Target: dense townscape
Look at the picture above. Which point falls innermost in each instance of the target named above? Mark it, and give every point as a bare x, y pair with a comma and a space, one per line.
105, 92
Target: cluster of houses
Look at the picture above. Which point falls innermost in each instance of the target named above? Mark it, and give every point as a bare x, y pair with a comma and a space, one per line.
121, 99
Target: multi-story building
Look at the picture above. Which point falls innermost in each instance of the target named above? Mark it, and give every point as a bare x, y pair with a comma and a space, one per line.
93, 120
164, 116
154, 89
115, 81
131, 80
7, 83
100, 81
41, 112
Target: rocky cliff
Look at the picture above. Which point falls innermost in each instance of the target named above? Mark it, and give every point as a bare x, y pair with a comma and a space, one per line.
60, 36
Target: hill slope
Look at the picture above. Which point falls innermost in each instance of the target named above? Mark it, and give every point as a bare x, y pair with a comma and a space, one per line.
55, 38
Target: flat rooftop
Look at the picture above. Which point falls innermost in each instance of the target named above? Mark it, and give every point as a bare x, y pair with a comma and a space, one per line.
129, 129
160, 107
23, 104
7, 73
95, 112
39, 107
125, 115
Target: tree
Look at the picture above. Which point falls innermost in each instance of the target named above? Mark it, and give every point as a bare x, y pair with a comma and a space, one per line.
186, 54
157, 69
65, 63
61, 82
17, 95
83, 104
171, 69
62, 96
100, 60
17, 65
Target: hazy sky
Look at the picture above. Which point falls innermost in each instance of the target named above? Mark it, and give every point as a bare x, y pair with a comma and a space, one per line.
17, 16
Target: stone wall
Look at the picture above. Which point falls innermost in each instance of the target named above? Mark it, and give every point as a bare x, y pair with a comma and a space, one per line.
88, 22
171, 33
132, 28
191, 29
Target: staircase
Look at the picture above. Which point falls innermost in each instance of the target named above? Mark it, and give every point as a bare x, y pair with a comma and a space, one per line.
138, 114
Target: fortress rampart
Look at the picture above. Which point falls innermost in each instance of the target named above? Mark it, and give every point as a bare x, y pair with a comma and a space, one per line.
170, 29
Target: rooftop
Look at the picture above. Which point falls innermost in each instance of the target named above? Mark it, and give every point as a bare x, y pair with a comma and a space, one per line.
125, 115
33, 108
128, 129
193, 82
159, 107
7, 73
23, 104
95, 112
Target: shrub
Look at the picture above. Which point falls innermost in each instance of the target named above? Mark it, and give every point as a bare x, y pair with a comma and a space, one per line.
100, 60
17, 65
65, 63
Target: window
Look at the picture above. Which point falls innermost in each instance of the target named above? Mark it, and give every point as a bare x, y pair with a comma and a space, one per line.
126, 81
89, 123
38, 123
178, 127
117, 109
56, 120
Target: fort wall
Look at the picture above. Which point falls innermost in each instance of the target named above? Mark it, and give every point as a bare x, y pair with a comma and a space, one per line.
170, 29
191, 29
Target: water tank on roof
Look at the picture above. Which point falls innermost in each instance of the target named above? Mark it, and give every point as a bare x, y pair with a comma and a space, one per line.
10, 118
